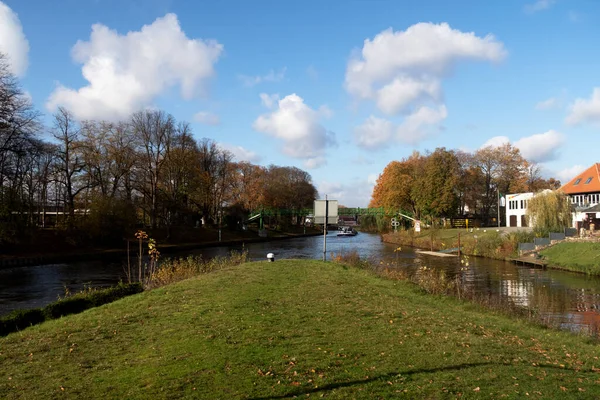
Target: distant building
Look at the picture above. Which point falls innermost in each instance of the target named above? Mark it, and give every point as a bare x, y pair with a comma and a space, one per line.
584, 194
516, 208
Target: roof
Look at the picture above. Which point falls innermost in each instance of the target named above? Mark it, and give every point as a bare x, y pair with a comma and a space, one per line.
595, 208
586, 182
519, 196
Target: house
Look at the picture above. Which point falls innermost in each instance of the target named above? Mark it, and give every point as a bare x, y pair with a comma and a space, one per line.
584, 194
516, 208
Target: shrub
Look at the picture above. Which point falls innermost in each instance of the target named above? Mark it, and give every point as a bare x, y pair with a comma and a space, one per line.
74, 304
89, 298
351, 258
21, 319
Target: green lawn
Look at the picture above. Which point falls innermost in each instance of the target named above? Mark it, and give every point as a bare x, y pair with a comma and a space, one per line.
275, 330
575, 256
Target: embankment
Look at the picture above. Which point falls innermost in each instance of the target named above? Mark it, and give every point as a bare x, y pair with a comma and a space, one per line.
294, 328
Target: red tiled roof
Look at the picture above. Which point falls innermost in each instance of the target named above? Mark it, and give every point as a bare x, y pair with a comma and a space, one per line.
580, 183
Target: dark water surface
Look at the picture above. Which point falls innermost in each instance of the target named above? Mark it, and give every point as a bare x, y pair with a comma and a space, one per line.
569, 299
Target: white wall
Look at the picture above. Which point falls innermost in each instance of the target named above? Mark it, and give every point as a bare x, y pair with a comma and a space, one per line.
516, 206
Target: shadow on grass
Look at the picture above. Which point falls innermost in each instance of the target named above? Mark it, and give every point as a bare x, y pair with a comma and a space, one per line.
386, 377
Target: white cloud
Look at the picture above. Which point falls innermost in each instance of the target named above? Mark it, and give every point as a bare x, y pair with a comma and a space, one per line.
403, 71
548, 104
419, 125
127, 72
207, 118
539, 5
496, 141
585, 110
13, 42
315, 162
240, 153
299, 127
565, 175
374, 133
424, 51
269, 100
541, 147
397, 96
272, 76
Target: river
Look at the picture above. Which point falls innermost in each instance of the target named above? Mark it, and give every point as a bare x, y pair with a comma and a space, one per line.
563, 298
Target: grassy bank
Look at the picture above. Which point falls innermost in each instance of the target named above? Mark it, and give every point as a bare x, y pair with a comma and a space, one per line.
574, 256
273, 330
484, 242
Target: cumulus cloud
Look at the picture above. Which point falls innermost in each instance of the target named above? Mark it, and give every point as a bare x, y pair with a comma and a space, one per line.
207, 118
272, 76
496, 141
402, 72
127, 72
374, 133
13, 42
240, 153
539, 5
565, 175
548, 104
397, 96
420, 124
299, 127
585, 110
541, 147
538, 148
314, 162
425, 52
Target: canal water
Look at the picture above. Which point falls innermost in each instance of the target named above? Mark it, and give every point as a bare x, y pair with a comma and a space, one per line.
562, 298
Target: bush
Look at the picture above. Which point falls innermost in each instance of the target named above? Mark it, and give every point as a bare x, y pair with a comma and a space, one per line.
21, 319
90, 298
77, 303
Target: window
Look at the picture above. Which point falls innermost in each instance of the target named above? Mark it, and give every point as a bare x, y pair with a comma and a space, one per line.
577, 182
588, 180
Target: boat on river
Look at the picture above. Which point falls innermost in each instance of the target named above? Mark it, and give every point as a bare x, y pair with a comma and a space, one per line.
346, 231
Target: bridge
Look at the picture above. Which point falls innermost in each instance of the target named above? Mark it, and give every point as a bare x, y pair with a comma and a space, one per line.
259, 214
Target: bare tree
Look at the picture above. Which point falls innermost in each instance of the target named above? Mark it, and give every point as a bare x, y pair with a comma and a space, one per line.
70, 161
154, 131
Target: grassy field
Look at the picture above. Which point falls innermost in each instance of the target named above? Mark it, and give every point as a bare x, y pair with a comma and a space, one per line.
294, 328
575, 256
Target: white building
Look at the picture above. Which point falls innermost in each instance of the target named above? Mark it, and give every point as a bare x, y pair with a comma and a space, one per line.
584, 193
516, 208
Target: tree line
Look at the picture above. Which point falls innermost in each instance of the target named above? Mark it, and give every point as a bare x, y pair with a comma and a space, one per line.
450, 183
148, 169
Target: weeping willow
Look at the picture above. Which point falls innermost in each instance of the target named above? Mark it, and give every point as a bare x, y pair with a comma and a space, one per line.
549, 211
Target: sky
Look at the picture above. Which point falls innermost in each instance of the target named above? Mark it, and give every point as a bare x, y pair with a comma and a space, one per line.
337, 88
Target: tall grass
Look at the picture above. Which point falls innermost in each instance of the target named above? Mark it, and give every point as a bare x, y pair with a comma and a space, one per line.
178, 269
490, 244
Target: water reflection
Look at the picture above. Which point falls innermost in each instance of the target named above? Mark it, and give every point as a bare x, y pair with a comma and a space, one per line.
567, 299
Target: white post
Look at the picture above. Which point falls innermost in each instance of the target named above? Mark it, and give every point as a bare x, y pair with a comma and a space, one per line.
325, 229
498, 190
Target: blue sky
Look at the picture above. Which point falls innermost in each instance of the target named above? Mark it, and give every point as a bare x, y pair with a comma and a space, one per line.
338, 88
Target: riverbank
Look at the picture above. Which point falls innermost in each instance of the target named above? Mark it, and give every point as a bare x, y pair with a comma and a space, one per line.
581, 256
291, 328
492, 243
166, 248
